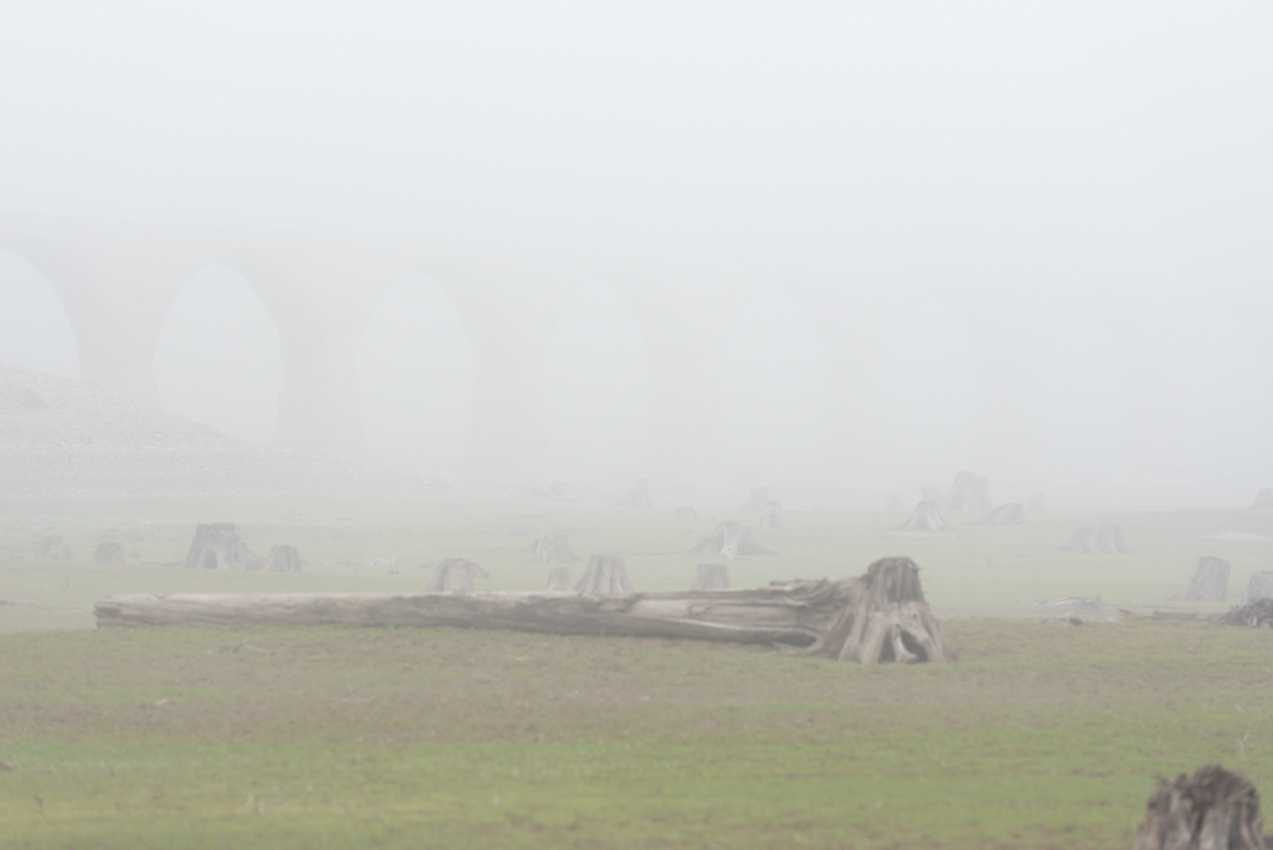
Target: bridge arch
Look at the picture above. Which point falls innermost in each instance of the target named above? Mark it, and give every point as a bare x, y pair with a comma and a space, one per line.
415, 377
774, 390
597, 386
35, 330
217, 357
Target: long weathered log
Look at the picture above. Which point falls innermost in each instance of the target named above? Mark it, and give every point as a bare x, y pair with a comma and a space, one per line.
796, 613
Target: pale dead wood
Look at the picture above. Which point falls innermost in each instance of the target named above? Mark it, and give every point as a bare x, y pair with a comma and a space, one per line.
1209, 582
1215, 809
551, 549
455, 575
220, 546
109, 552
606, 573
711, 577
731, 539
284, 559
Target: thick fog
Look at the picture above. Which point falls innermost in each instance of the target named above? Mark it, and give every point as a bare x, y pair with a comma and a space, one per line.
1105, 166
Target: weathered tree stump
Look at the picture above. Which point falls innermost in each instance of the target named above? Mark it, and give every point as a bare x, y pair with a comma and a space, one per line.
932, 493
551, 549
894, 502
1209, 582
1110, 539
1010, 513
558, 580
605, 574
1035, 502
638, 496
926, 519
284, 559
1259, 587
757, 500
772, 516
455, 575
1258, 614
1263, 500
711, 577
685, 513
110, 552
969, 492
1214, 809
52, 547
731, 540
887, 619
220, 546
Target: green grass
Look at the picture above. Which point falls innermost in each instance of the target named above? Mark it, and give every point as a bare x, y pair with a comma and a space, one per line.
1041, 736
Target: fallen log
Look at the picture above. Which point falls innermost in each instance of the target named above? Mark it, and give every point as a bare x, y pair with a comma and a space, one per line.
880, 616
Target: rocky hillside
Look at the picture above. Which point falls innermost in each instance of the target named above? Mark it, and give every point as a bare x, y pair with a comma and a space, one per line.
63, 439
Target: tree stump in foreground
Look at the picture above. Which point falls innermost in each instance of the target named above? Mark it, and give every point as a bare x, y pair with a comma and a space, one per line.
772, 516
220, 546
1259, 587
1214, 809
926, 518
732, 540
887, 619
1209, 582
558, 580
1263, 500
1258, 614
605, 574
284, 559
455, 575
638, 496
109, 552
1110, 539
970, 492
551, 549
1010, 513
711, 577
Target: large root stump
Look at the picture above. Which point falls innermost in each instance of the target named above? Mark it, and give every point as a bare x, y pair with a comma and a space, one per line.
1214, 809
605, 574
220, 546
887, 620
1209, 582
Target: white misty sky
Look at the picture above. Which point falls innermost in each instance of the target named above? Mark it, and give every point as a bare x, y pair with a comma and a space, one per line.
1075, 152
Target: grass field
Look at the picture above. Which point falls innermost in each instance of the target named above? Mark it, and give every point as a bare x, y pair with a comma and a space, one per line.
1043, 735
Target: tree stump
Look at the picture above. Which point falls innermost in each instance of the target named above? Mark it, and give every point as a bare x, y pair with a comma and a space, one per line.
772, 516
638, 496
932, 493
558, 580
731, 540
1035, 503
686, 514
110, 552
894, 502
605, 574
757, 501
926, 519
455, 575
1258, 614
220, 546
1259, 587
1084, 541
1214, 809
1263, 500
711, 577
52, 547
284, 559
551, 549
1010, 513
887, 619
1110, 539
1209, 582
970, 492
